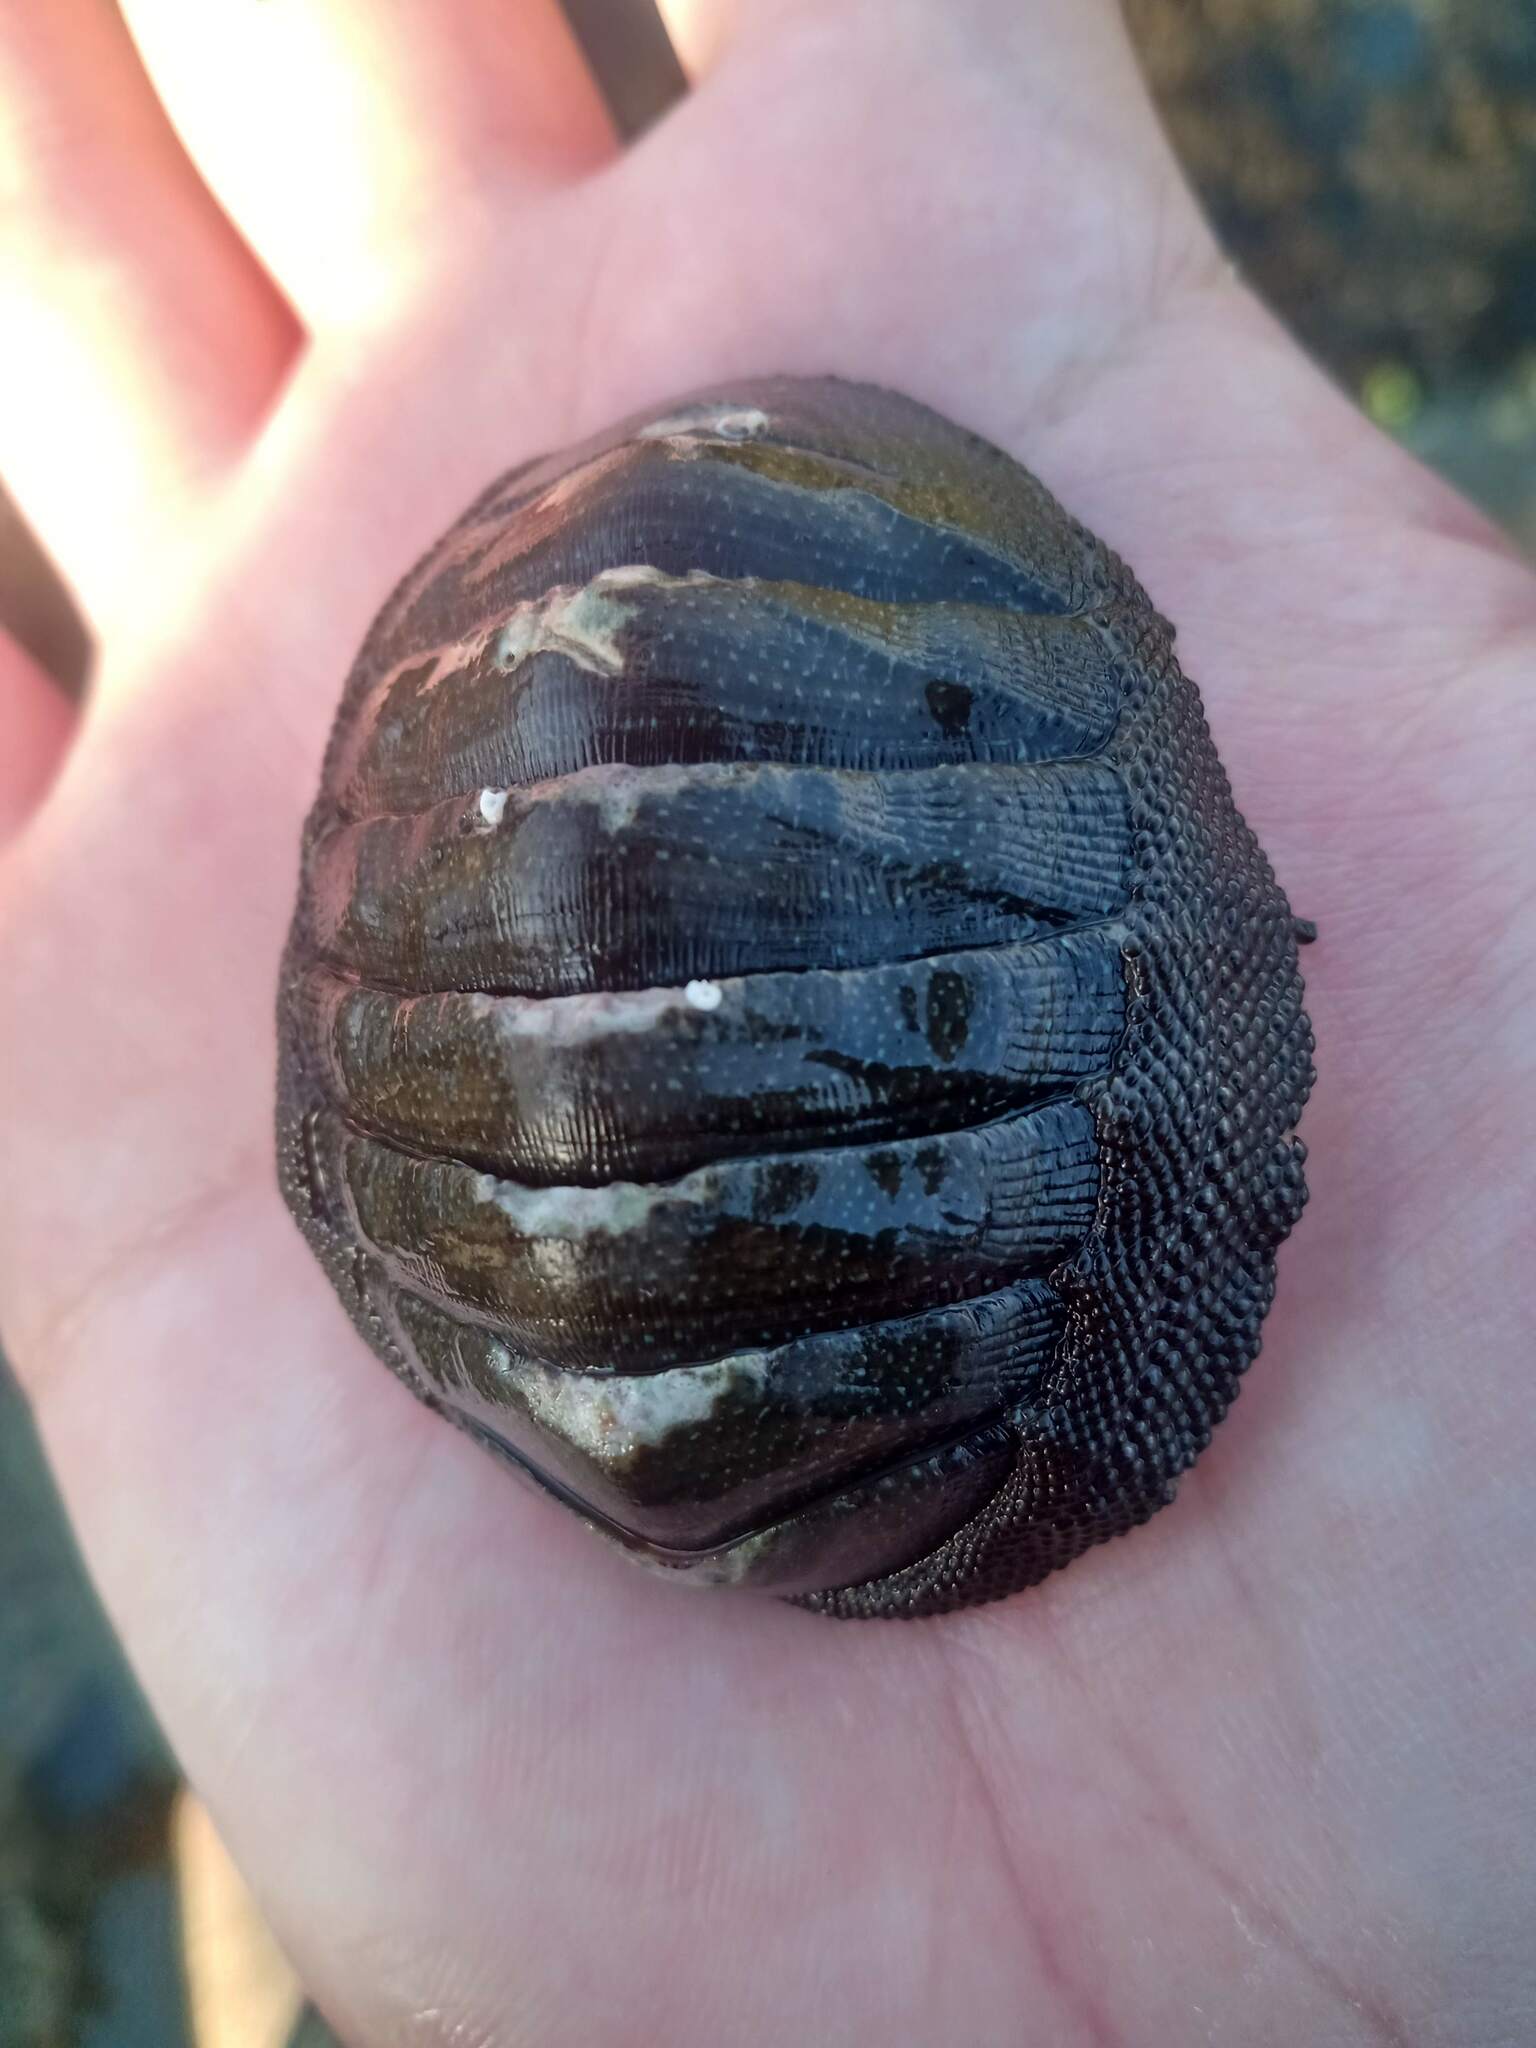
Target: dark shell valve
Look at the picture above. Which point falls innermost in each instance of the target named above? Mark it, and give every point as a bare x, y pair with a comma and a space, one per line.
785, 1036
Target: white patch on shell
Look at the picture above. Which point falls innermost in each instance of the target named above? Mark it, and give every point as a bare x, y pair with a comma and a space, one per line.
578, 1019
586, 1018
628, 575
612, 790
617, 790
612, 1417
681, 434
580, 621
704, 995
495, 1355
711, 423
576, 1212
449, 660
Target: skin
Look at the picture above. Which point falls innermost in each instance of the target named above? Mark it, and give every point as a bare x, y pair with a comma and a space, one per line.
1259, 1774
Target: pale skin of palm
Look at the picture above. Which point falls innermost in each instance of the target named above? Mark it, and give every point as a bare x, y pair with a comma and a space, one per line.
1259, 1773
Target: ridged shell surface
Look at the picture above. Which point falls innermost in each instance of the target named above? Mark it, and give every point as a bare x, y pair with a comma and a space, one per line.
785, 1036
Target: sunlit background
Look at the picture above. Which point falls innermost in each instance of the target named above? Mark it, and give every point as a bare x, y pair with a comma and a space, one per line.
1372, 166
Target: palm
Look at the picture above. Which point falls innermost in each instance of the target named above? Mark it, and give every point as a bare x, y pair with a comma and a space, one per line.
1250, 1776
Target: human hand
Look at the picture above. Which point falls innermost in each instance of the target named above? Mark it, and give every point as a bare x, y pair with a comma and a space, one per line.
1260, 1774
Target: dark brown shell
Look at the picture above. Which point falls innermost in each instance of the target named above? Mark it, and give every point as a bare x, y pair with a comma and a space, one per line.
785, 1036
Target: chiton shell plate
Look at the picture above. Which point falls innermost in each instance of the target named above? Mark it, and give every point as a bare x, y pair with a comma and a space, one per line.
785, 1036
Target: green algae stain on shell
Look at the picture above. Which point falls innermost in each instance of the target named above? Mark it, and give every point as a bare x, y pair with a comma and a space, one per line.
785, 1037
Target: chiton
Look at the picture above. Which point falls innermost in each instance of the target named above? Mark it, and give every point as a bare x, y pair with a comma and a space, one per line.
785, 1036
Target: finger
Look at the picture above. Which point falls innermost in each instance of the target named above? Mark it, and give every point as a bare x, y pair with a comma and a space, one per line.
36, 721
352, 140
142, 342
